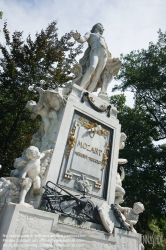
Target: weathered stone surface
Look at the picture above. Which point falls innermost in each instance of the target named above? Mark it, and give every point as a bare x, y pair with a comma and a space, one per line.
82, 149
127, 240
36, 229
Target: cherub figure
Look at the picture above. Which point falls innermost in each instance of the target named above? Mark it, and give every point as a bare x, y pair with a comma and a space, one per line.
132, 214
55, 101
30, 174
40, 108
50, 103
119, 191
30, 171
123, 138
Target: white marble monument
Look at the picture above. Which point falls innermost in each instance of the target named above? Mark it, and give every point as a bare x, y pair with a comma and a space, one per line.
76, 150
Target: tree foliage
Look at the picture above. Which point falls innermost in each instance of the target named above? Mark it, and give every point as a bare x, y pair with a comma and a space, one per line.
144, 73
146, 167
145, 170
44, 62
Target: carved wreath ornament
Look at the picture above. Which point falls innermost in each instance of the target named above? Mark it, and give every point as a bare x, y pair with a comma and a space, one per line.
93, 128
86, 97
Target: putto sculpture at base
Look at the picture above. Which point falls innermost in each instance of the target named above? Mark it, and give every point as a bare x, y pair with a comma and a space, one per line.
26, 177
132, 214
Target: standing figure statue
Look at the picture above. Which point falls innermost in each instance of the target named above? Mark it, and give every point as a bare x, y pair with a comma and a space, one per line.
96, 54
96, 59
119, 190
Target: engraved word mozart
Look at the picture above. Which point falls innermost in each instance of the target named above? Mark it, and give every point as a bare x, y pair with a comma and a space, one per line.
89, 148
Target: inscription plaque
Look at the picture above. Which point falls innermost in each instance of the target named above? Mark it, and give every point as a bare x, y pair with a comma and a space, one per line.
88, 154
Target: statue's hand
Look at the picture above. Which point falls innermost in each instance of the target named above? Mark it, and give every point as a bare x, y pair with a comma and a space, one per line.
76, 35
121, 169
48, 151
126, 210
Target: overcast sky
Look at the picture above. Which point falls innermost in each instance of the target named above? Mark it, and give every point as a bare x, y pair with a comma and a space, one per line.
129, 24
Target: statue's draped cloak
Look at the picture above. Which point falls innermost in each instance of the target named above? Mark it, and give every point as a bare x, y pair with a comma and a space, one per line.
85, 62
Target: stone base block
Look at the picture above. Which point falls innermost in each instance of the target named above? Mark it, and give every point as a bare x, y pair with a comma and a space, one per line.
30, 229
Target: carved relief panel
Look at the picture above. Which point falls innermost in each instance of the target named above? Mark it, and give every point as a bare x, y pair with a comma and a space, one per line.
86, 161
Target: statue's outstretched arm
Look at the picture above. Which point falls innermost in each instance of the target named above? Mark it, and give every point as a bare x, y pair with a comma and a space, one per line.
41, 99
80, 39
123, 209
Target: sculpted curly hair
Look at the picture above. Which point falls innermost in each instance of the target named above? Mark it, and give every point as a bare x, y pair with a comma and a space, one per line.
33, 151
95, 26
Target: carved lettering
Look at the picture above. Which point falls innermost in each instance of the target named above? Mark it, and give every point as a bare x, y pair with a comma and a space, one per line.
94, 160
82, 155
79, 144
86, 157
93, 150
89, 148
100, 151
96, 151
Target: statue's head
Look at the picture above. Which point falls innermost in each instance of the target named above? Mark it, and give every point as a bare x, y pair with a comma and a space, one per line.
138, 208
33, 153
55, 99
30, 105
98, 28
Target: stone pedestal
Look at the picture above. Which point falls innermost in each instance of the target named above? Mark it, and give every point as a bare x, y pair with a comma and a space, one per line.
24, 228
85, 158
89, 148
